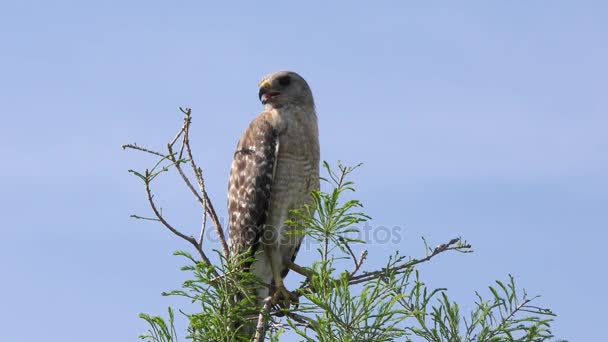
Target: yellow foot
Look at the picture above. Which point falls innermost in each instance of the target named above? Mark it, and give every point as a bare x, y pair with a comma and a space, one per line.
283, 297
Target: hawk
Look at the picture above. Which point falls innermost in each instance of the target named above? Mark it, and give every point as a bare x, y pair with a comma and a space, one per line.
274, 170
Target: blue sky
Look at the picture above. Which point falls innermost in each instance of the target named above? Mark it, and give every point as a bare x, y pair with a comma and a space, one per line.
485, 119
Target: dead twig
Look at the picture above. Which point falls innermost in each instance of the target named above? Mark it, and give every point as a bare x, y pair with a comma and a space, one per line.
301, 319
160, 217
209, 209
358, 262
200, 195
260, 330
358, 266
452, 245
143, 149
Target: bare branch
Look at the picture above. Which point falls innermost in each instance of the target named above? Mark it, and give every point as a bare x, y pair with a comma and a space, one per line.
201, 184
453, 244
179, 133
203, 226
350, 251
184, 177
302, 320
260, 331
216, 224
202, 198
143, 149
220, 232
144, 218
357, 263
361, 260
160, 217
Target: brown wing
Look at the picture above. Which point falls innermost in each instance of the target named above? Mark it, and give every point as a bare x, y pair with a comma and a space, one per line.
251, 179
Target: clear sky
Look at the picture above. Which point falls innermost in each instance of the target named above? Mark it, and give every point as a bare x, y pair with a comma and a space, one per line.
485, 119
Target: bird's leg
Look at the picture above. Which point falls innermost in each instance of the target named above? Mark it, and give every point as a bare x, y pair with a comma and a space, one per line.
300, 270
281, 295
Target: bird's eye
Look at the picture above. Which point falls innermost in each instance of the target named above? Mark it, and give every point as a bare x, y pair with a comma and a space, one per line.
284, 81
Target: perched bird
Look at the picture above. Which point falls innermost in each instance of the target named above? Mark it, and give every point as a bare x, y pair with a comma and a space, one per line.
274, 170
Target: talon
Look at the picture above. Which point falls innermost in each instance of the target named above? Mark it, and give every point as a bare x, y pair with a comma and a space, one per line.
284, 298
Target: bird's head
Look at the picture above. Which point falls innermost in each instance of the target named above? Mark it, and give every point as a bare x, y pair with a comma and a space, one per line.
284, 87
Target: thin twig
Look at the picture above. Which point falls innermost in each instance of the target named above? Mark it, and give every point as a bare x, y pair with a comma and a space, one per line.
453, 244
184, 177
185, 137
143, 149
517, 309
216, 224
203, 226
303, 320
201, 183
160, 217
203, 200
357, 263
144, 218
358, 266
178, 134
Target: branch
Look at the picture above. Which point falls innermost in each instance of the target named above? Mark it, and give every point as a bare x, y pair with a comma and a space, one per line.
160, 217
357, 263
143, 149
265, 315
452, 245
515, 311
260, 330
361, 260
204, 200
302, 320
203, 226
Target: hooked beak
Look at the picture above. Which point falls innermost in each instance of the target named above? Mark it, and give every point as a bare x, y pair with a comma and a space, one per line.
266, 94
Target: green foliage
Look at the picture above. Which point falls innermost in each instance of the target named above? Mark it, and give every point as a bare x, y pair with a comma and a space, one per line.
159, 330
220, 300
336, 304
340, 314
326, 219
507, 317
